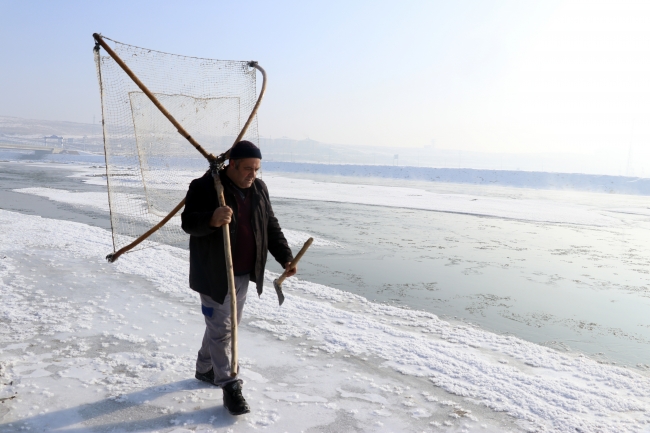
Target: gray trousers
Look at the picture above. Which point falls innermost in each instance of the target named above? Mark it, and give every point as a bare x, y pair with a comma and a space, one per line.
215, 350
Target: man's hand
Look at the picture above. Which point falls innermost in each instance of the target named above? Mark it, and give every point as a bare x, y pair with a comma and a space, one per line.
291, 271
221, 216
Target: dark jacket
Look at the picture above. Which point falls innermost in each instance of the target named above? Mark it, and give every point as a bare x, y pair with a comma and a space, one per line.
207, 257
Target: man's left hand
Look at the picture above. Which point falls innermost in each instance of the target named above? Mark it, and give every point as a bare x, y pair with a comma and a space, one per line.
291, 271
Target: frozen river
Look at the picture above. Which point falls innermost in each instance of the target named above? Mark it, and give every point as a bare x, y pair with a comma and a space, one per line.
575, 285
578, 283
565, 270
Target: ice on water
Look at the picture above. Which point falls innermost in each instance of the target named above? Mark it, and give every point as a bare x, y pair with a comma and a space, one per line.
91, 346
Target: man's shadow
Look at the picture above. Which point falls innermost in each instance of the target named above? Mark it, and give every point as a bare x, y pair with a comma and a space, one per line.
128, 413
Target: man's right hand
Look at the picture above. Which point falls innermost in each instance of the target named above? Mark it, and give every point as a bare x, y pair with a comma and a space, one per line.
221, 216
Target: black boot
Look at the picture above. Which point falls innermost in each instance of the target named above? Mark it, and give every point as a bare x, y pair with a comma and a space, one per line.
206, 377
234, 400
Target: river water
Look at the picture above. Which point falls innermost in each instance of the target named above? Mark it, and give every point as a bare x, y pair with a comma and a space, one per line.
570, 287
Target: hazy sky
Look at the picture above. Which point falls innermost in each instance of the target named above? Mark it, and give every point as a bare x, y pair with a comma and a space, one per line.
495, 76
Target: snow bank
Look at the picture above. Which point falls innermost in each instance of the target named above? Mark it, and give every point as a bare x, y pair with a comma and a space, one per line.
522, 179
413, 198
97, 200
88, 345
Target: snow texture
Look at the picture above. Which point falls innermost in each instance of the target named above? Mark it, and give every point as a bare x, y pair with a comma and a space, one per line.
91, 346
516, 178
98, 200
378, 195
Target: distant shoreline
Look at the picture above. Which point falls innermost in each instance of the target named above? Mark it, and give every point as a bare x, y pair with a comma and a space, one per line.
521, 179
513, 178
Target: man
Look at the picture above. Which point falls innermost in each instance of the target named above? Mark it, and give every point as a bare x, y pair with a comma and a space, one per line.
254, 230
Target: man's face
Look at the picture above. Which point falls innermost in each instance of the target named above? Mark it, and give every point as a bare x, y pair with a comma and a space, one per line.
243, 171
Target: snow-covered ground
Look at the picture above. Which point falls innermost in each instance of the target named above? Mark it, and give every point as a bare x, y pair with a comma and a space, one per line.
91, 346
88, 345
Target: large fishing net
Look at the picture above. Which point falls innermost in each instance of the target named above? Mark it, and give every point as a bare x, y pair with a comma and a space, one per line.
149, 165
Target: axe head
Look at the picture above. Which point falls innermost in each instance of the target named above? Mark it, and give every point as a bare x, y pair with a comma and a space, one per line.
278, 290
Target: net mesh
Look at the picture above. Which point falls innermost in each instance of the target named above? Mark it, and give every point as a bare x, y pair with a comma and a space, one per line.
148, 163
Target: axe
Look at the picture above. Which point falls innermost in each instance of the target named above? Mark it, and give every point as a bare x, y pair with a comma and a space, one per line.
277, 283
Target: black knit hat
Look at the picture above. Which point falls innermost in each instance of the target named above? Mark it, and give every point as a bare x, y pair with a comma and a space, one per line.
245, 149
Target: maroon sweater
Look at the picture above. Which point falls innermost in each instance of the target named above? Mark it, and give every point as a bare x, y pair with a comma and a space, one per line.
244, 251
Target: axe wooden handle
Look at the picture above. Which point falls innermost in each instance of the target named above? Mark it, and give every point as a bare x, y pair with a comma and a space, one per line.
296, 260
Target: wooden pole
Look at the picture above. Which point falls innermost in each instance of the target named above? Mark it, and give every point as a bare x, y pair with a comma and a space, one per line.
295, 261
232, 290
254, 111
114, 256
216, 164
